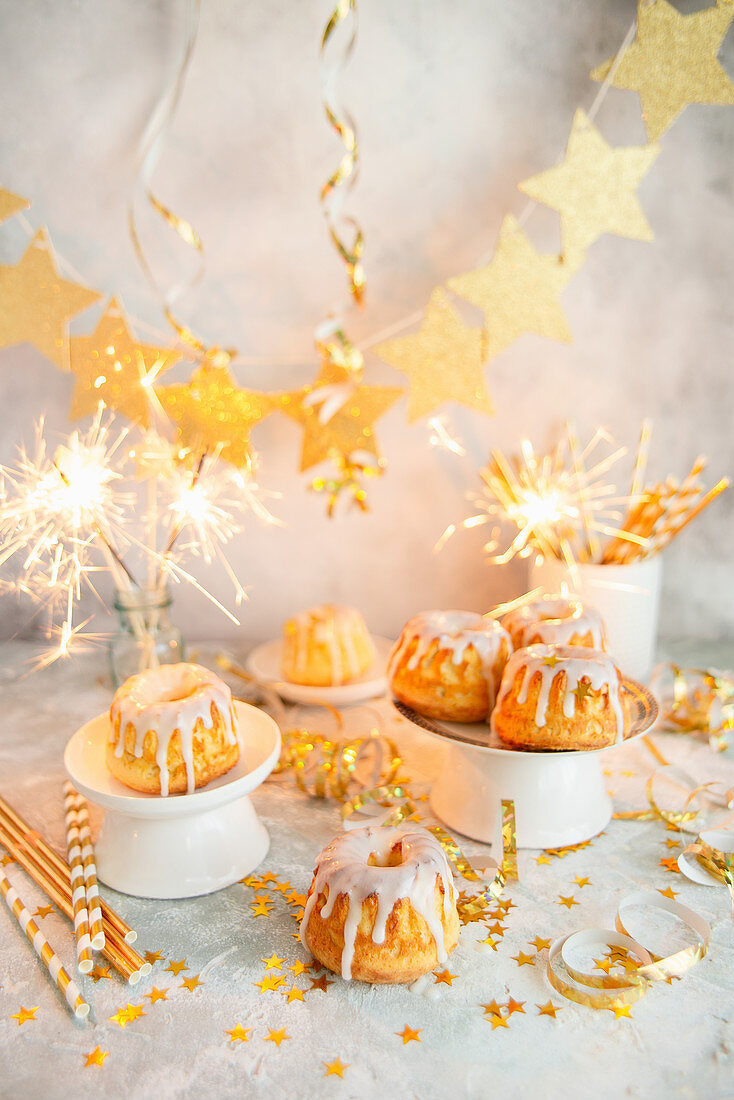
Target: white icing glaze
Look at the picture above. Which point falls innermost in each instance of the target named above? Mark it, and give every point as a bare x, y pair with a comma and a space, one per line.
168, 699
554, 620
578, 663
454, 631
333, 626
343, 866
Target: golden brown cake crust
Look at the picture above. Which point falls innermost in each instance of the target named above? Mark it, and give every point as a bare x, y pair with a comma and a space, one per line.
213, 756
325, 646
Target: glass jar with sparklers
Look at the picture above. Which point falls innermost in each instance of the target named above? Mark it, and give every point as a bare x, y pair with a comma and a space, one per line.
145, 636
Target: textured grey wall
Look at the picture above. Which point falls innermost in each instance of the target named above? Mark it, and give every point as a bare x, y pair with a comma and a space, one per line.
456, 103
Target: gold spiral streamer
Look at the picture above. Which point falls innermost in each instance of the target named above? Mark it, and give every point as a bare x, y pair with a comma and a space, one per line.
343, 178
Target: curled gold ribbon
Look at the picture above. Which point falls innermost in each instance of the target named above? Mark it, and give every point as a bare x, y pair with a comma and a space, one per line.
327, 768
678, 819
695, 699
719, 864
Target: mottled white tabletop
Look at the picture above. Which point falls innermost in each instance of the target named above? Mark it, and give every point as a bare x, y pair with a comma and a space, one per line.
309, 1037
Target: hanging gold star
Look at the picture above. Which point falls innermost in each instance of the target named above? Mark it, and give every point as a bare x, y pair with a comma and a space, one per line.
211, 411
518, 291
127, 1015
335, 1068
277, 1037
539, 944
191, 983
157, 995
239, 1033
408, 1035
175, 968
594, 188
292, 994
10, 204
111, 366
273, 963
548, 1009
445, 977
515, 1006
36, 303
443, 361
568, 902
672, 62
96, 1058
97, 973
43, 911
522, 959
153, 957
24, 1015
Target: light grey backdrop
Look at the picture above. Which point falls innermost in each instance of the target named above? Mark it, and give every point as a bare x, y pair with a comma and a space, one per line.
456, 103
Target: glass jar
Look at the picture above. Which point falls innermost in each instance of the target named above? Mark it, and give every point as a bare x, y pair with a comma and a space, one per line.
145, 636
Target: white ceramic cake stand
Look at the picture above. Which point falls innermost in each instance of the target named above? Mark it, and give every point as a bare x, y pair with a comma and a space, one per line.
186, 844
560, 797
264, 662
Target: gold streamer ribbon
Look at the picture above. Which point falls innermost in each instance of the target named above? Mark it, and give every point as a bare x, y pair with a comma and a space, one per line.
719, 864
677, 819
695, 699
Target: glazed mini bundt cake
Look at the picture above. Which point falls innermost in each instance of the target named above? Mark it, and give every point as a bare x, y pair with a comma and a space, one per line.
555, 620
326, 645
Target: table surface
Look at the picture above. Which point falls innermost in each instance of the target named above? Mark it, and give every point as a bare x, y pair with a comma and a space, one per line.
677, 1042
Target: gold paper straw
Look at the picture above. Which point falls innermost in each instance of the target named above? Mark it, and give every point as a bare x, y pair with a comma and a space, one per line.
84, 959
43, 949
96, 929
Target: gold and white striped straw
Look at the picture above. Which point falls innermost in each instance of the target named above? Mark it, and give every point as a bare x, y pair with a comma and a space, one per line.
96, 927
43, 949
84, 957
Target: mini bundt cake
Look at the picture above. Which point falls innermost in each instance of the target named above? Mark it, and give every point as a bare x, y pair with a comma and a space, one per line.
555, 620
326, 645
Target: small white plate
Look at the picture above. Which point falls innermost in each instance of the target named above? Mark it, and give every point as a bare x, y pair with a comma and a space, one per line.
265, 662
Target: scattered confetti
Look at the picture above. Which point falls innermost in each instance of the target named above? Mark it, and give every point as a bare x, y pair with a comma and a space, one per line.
157, 995
319, 983
97, 973
24, 1015
191, 983
96, 1058
240, 1033
497, 1021
408, 1035
273, 963
670, 864
445, 977
335, 1068
582, 881
297, 968
277, 1037
43, 911
568, 902
522, 959
176, 967
270, 983
260, 909
293, 994
152, 957
515, 1006
548, 1009
125, 1016
668, 893
539, 944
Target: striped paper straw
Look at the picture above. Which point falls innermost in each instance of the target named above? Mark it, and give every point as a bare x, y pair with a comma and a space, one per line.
96, 927
84, 957
43, 949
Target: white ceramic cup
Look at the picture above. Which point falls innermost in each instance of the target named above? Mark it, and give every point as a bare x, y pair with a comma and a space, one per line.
627, 598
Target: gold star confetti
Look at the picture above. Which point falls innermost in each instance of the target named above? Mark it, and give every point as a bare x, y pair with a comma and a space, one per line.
670, 865
443, 361
582, 691
568, 902
490, 942
152, 957
269, 877
518, 291
621, 1010
211, 411
270, 983
273, 963
408, 1035
492, 1009
551, 660
96, 1058
43, 911
191, 983
539, 943
548, 1009
176, 967
445, 977
157, 994
542, 858
319, 983
672, 843
672, 62
97, 973
10, 204
582, 881
260, 908
249, 880
505, 904
125, 1016
496, 929
37, 303
297, 899
497, 1021
594, 188
24, 1015
515, 1006
240, 1033
277, 1037
292, 994
335, 1068
603, 964
297, 968
282, 887
669, 893
522, 959
110, 366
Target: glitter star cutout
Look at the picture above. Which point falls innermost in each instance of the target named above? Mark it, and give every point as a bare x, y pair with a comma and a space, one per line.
672, 62
125, 1016
669, 893
594, 188
568, 902
515, 1006
277, 1037
176, 967
335, 1068
292, 994
24, 1015
319, 983
37, 303
539, 943
603, 964
153, 957
273, 963
490, 942
97, 973
260, 908
96, 1058
522, 959
670, 865
443, 361
10, 204
110, 366
582, 881
270, 983
621, 1010
239, 1033
518, 291
496, 929
408, 1035
492, 1009
548, 1009
211, 411
297, 968
43, 911
157, 995
497, 1021
542, 859
191, 983
444, 977
581, 691
269, 877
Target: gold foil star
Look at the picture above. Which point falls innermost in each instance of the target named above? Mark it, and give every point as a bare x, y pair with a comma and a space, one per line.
603, 964
282, 887
497, 1021
36, 303
594, 188
260, 908
672, 62
492, 1009
518, 292
277, 1037
270, 983
96, 1058
6, 860
211, 411
125, 1016
522, 959
335, 1068
580, 881
24, 1015
111, 366
319, 983
672, 843
191, 983
239, 1033
620, 1010
490, 942
548, 1009
443, 361
297, 968
505, 904
551, 660
515, 1006
269, 877
581, 691
542, 858
43, 911
273, 963
10, 204
97, 973
297, 899
445, 977
568, 902
671, 865
176, 967
157, 995
153, 957
539, 944
408, 1035
292, 994
669, 893
496, 929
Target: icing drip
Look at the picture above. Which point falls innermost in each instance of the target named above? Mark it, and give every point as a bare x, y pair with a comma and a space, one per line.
343, 867
554, 620
332, 626
578, 663
166, 700
454, 631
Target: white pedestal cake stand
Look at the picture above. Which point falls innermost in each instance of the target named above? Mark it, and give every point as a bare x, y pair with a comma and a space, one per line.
186, 844
560, 797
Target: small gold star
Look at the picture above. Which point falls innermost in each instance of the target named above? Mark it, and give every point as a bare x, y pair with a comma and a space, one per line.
43, 911
445, 977
670, 865
319, 983
157, 994
261, 895
548, 1009
260, 909
669, 893
506, 905
96, 1058
125, 1016
515, 1006
496, 929
293, 994
282, 887
581, 691
490, 942
269, 877
175, 968
240, 1033
568, 902
408, 1035
582, 881
191, 983
670, 827
522, 959
542, 858
270, 983
297, 899
497, 1021
152, 957
273, 963
249, 880
603, 964
492, 1009
98, 972
539, 944
672, 843
277, 1037
336, 1068
297, 968
621, 1010
551, 661
24, 1015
